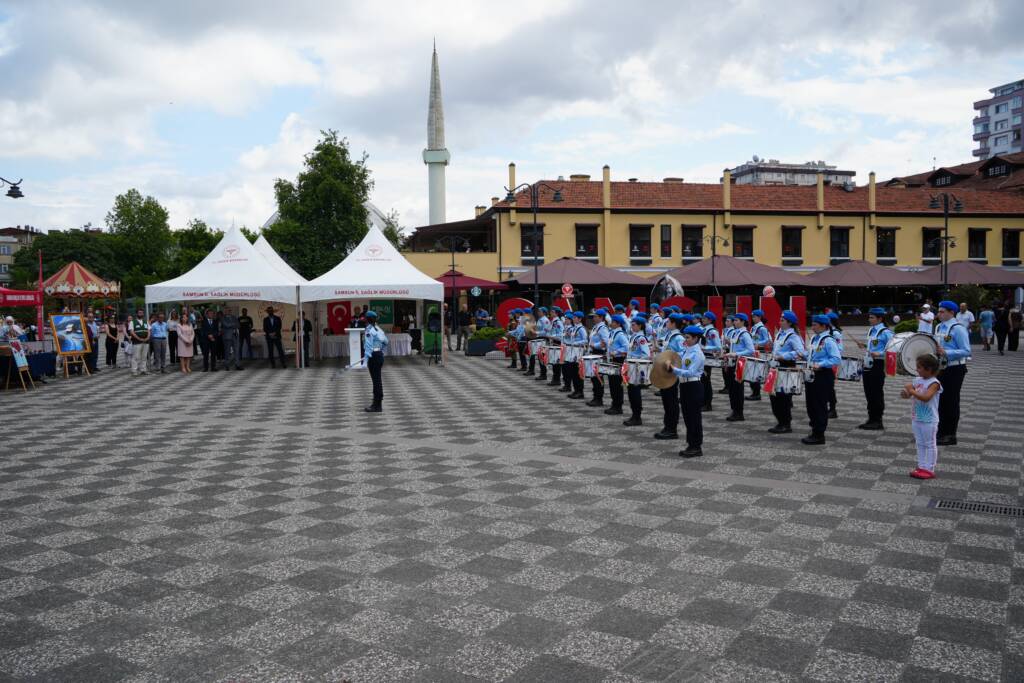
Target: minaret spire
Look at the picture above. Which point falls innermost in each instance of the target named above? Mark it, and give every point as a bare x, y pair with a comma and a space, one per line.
435, 156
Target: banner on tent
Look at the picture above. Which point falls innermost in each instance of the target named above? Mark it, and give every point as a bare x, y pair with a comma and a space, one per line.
385, 310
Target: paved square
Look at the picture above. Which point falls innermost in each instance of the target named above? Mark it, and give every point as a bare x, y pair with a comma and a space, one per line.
258, 526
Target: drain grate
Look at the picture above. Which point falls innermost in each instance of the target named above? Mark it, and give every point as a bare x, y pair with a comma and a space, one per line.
983, 508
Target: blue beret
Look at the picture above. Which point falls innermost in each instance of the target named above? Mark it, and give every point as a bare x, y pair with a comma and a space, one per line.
695, 330
832, 315
687, 317
640, 318
579, 314
742, 316
619, 307
620, 319
710, 316
634, 302
877, 310
790, 316
556, 309
371, 314
949, 305
543, 309
822, 320
600, 311
655, 307
758, 312
515, 311
677, 318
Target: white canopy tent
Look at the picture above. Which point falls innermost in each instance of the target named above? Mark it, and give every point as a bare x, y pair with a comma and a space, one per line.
263, 247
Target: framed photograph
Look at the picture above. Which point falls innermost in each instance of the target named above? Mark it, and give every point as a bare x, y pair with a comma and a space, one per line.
69, 331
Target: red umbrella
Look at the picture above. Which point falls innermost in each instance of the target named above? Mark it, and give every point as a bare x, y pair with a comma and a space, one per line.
863, 274
729, 271
458, 281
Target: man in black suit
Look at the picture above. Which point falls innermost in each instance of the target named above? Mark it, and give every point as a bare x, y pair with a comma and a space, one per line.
209, 332
307, 335
272, 330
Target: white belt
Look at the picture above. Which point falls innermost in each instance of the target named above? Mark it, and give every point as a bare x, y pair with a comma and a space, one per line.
962, 361
684, 380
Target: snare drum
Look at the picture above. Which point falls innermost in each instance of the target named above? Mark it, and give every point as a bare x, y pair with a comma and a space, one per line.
755, 370
609, 369
851, 369
908, 346
789, 381
713, 360
554, 354
573, 353
728, 361
638, 371
589, 364
535, 346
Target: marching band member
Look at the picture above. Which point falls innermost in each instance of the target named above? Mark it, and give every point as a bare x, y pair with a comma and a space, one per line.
618, 348
513, 336
823, 355
728, 332
691, 391
837, 334
741, 345
638, 348
578, 336
555, 333
874, 368
712, 346
375, 342
955, 347
762, 343
543, 329
524, 348
598, 343
663, 329
670, 396
787, 350
568, 331
634, 310
655, 321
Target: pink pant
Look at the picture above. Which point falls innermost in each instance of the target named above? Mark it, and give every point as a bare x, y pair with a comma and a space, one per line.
927, 450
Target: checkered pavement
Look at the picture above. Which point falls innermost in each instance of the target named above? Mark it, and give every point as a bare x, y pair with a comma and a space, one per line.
258, 526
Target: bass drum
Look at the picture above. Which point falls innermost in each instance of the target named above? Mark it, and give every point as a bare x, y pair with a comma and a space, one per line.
907, 346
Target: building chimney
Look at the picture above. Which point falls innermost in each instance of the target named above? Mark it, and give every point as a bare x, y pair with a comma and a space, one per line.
579, 177
606, 187
479, 209
727, 198
494, 200
632, 180
821, 199
871, 199
672, 179
511, 184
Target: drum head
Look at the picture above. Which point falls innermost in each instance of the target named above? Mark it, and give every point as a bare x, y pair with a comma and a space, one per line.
916, 345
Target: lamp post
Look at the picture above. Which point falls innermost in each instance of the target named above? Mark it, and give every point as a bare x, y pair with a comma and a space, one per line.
15, 191
534, 189
452, 243
946, 202
714, 238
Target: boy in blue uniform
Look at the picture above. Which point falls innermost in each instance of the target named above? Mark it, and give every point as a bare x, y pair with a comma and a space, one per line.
787, 350
955, 347
742, 345
670, 396
638, 348
822, 356
874, 368
762, 343
691, 390
578, 337
374, 344
618, 348
712, 346
598, 342
555, 335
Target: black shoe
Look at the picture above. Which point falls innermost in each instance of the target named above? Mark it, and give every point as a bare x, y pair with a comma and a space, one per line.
832, 414
595, 402
734, 417
723, 391
705, 409
664, 436
871, 426
613, 411
213, 370
564, 389
780, 429
754, 397
554, 384
575, 395
541, 378
531, 373
691, 453
813, 440
373, 409
947, 440
633, 422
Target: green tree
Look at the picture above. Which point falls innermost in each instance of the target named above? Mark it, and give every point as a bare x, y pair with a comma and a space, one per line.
191, 245
251, 235
141, 227
322, 214
394, 231
97, 251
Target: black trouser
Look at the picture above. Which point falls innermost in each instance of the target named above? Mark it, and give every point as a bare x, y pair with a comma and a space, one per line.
735, 392
782, 404
514, 357
172, 346
691, 399
577, 377
305, 351
952, 379
615, 388
832, 398
1001, 339
567, 374
111, 351
725, 375
597, 386
670, 402
556, 371
209, 354
874, 389
533, 361
1014, 339
245, 340
93, 356
817, 394
522, 356
375, 362
705, 381
275, 343
636, 400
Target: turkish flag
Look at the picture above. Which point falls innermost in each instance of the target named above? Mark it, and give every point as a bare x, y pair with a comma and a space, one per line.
741, 362
890, 363
769, 381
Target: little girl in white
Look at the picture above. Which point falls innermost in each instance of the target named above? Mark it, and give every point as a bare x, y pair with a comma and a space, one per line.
925, 390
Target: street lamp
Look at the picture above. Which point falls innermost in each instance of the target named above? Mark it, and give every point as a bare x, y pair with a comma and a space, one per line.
15, 191
452, 243
946, 202
715, 239
534, 189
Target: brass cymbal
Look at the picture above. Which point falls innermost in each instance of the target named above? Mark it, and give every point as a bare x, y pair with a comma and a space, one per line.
661, 377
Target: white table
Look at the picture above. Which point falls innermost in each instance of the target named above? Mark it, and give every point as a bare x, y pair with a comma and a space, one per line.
336, 345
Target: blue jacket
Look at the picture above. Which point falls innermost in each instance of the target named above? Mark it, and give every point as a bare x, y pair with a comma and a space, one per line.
618, 344
693, 362
638, 346
824, 351
954, 340
599, 337
789, 345
742, 343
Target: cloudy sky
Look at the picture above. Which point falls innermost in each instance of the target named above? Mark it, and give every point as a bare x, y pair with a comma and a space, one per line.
204, 104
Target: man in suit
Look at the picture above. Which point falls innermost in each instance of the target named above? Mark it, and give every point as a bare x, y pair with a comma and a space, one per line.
272, 330
307, 335
229, 335
209, 332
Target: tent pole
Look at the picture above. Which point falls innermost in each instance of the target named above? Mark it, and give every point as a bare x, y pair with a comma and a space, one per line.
298, 329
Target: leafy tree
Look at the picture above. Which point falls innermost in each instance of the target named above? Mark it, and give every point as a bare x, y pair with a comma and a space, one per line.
142, 231
322, 214
393, 230
97, 251
191, 245
251, 235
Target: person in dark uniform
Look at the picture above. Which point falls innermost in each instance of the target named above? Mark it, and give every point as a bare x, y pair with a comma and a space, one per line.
787, 350
822, 356
245, 333
272, 331
670, 396
874, 369
375, 342
209, 333
691, 390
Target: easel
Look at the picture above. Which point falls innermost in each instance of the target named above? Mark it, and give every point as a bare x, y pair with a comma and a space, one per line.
75, 359
23, 372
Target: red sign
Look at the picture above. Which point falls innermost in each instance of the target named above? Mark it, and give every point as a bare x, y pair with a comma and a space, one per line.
567, 289
16, 297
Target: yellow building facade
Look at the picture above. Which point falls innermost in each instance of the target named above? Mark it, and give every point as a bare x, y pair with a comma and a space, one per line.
650, 228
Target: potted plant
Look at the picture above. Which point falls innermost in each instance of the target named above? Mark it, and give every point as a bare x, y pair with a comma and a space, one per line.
483, 340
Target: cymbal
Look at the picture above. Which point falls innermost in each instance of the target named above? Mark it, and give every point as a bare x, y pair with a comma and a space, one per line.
531, 328
660, 377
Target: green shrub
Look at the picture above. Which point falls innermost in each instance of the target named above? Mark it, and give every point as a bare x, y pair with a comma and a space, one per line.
487, 334
905, 326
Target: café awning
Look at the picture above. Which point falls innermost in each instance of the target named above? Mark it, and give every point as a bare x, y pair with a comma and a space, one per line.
453, 279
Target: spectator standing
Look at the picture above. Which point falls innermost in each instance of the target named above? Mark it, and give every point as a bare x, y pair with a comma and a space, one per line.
926, 319
10, 329
92, 328
186, 343
158, 343
307, 335
245, 333
172, 336
138, 333
220, 337
448, 324
1002, 326
465, 320
1016, 322
272, 332
229, 338
209, 333
111, 337
986, 319
965, 317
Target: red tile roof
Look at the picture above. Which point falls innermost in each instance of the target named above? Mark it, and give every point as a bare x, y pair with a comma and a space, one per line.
969, 176
767, 198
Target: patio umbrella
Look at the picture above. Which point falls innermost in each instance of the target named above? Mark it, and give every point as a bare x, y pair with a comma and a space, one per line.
459, 281
729, 271
577, 272
862, 274
971, 273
